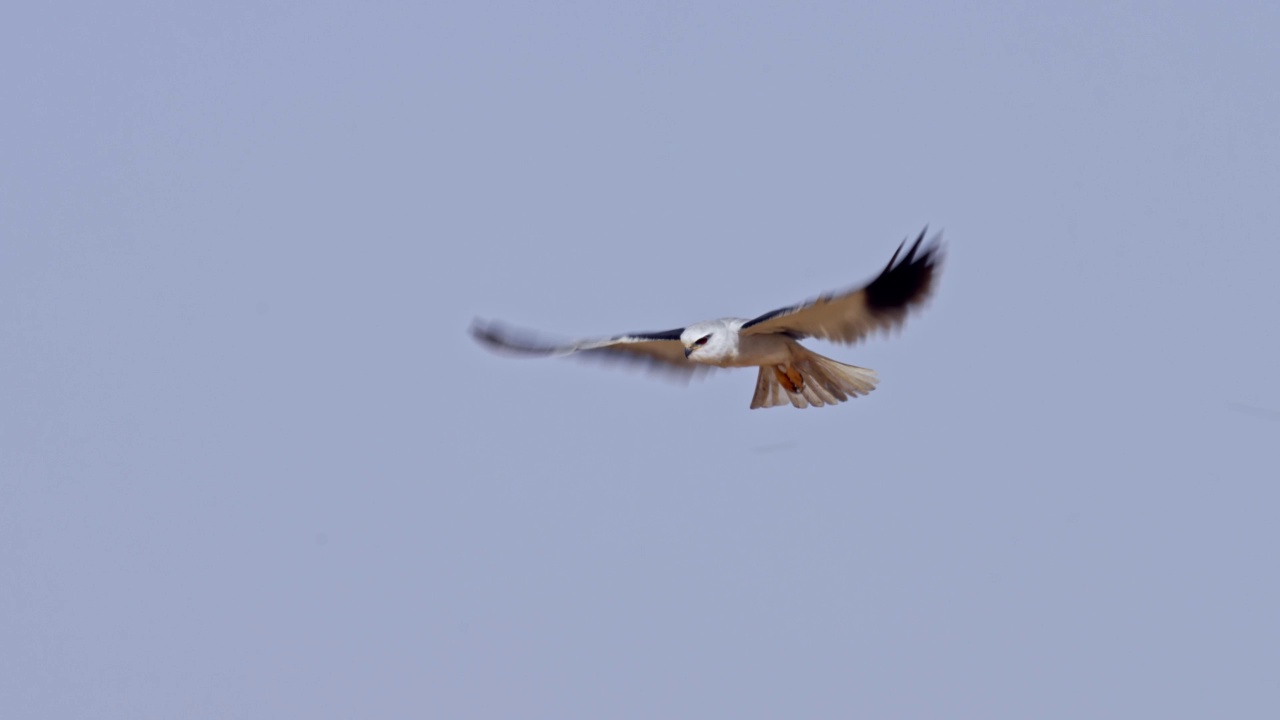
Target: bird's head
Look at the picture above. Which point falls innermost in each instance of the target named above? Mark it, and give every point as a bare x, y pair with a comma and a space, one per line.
705, 342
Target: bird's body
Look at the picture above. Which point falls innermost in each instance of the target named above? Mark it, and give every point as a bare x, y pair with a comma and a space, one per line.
727, 347
789, 372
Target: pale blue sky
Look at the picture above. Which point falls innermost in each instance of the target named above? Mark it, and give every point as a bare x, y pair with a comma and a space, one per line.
252, 466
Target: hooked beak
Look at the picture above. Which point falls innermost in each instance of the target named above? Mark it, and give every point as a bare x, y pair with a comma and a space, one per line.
688, 351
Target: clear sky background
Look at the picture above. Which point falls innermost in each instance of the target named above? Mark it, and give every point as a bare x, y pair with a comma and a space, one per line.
251, 465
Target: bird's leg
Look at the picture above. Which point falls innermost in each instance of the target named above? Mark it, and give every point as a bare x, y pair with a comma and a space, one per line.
789, 378
796, 378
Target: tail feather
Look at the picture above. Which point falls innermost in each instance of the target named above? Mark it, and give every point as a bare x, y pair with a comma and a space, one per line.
811, 379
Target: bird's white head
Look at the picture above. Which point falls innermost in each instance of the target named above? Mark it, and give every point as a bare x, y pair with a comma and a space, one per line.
710, 342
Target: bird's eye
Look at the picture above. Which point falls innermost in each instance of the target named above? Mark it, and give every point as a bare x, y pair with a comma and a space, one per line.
701, 341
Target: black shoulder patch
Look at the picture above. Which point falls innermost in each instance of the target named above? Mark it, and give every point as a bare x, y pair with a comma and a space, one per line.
771, 315
660, 335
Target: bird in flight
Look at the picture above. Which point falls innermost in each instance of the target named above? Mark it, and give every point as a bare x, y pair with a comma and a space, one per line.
789, 372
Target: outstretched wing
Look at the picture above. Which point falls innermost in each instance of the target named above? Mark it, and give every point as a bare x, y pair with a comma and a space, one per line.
850, 315
657, 350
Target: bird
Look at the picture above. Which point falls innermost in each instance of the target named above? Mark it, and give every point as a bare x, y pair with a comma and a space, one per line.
789, 373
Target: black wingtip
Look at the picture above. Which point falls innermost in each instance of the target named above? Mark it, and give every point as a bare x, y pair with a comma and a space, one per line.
502, 339
908, 280
485, 332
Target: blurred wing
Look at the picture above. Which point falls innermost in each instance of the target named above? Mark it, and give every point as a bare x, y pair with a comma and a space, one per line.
851, 315
657, 350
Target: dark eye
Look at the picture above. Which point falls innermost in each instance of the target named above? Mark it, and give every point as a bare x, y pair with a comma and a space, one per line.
701, 341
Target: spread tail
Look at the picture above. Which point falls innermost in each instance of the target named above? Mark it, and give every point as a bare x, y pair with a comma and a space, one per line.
811, 379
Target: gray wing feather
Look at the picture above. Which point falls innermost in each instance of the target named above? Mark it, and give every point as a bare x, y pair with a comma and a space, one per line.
850, 315
657, 350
